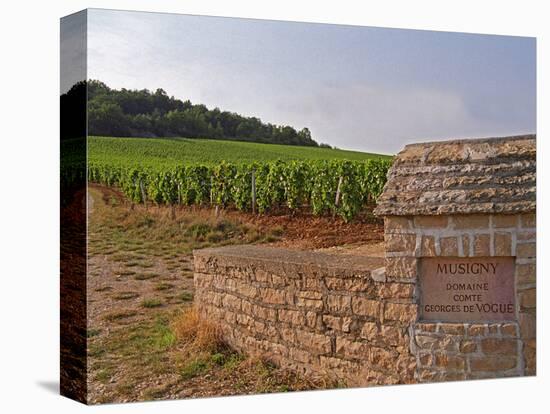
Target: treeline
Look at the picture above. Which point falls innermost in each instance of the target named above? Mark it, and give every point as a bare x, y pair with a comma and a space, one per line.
143, 113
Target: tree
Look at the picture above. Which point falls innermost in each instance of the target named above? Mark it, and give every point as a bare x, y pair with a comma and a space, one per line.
139, 113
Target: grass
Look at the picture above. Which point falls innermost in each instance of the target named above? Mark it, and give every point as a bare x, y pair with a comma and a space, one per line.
164, 286
125, 295
119, 315
126, 272
197, 333
194, 368
90, 333
145, 276
186, 296
151, 303
167, 238
177, 151
104, 375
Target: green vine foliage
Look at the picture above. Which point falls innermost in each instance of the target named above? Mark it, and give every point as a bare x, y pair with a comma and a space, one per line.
292, 184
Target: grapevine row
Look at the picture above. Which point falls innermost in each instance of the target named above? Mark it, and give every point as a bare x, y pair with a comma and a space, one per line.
337, 187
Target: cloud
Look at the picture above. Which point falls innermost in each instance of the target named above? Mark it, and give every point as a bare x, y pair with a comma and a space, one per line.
358, 88
73, 50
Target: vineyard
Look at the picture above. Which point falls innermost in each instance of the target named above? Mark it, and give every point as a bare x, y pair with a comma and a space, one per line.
325, 186
175, 151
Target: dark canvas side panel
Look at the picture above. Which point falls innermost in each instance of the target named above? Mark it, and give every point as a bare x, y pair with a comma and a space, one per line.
73, 130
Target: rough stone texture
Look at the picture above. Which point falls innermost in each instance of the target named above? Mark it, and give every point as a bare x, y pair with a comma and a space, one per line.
448, 351
313, 312
495, 175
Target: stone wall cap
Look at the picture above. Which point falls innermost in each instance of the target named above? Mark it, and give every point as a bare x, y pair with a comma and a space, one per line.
466, 176
294, 257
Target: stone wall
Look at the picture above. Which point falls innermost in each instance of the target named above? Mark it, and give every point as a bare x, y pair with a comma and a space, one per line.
335, 316
458, 351
349, 318
454, 351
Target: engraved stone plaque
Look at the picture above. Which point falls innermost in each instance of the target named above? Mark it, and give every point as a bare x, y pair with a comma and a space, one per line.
474, 289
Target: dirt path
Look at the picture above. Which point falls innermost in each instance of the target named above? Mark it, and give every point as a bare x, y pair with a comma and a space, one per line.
131, 293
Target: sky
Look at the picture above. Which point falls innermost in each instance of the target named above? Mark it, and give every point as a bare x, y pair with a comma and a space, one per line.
362, 88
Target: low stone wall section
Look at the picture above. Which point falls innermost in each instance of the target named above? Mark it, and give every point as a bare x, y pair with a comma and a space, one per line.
460, 351
331, 315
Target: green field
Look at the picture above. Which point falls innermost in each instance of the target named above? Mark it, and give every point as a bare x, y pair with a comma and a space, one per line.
178, 151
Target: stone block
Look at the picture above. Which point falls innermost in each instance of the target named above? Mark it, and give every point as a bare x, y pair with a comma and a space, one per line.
430, 222
349, 284
366, 307
425, 327
292, 317
526, 273
509, 330
396, 290
527, 325
450, 362
300, 355
530, 356
430, 342
401, 267
427, 246
526, 236
311, 319
391, 224
471, 221
339, 303
505, 220
526, 250
351, 349
503, 244
482, 243
452, 328
273, 296
426, 359
492, 363
314, 342
337, 323
528, 220
369, 330
501, 346
231, 302
313, 284
448, 246
402, 312
288, 335
383, 358
246, 289
428, 375
314, 304
393, 335
468, 346
528, 298
477, 329
400, 242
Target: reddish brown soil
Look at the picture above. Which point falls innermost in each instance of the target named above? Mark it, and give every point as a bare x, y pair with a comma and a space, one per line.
300, 230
